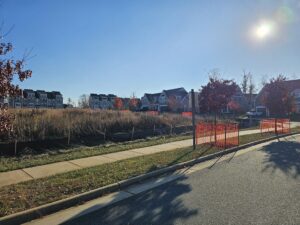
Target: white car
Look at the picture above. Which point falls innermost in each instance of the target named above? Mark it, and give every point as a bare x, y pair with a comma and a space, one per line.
254, 113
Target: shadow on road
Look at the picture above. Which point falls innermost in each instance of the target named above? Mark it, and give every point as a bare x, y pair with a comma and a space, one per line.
161, 205
284, 156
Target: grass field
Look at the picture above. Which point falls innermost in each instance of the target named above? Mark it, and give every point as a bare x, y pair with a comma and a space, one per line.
41, 124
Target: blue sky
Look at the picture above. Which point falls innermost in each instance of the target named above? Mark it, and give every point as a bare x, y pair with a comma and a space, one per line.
145, 46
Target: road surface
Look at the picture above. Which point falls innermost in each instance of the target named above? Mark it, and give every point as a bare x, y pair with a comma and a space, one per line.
258, 187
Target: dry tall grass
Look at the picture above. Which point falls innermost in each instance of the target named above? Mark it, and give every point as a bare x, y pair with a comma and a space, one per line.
44, 124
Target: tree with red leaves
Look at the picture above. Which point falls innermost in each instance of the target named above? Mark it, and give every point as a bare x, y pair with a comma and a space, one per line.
173, 104
133, 103
9, 69
216, 95
234, 107
118, 104
277, 98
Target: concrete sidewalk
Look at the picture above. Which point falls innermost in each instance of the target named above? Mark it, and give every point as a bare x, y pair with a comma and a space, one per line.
20, 175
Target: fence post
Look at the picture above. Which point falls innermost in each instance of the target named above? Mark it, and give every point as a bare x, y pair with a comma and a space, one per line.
132, 133
238, 130
193, 118
225, 135
16, 146
276, 132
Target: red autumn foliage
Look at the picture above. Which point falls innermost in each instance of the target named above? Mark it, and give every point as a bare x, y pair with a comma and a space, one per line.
216, 95
133, 103
234, 106
173, 104
8, 70
118, 104
276, 97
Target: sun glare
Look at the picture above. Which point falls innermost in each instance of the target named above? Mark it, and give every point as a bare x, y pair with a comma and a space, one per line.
263, 30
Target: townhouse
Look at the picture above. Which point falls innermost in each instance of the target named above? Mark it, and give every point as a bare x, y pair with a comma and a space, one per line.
102, 101
36, 99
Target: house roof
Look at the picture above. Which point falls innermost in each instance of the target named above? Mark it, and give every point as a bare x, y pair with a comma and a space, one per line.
291, 86
56, 92
176, 91
152, 98
28, 90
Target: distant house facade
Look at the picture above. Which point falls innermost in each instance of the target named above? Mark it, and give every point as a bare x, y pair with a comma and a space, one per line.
102, 101
250, 98
293, 87
168, 100
239, 101
37, 99
150, 102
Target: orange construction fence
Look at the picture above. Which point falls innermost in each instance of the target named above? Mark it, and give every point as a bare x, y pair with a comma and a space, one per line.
187, 114
221, 134
152, 113
283, 126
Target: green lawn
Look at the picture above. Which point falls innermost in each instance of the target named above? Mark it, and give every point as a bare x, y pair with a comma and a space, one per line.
29, 194
8, 163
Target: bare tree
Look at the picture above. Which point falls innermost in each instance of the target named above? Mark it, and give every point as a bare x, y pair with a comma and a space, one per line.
251, 87
244, 84
264, 80
83, 101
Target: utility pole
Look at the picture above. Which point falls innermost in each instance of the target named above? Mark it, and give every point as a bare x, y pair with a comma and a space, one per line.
193, 118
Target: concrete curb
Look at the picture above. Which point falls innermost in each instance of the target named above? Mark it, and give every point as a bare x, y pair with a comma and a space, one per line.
34, 213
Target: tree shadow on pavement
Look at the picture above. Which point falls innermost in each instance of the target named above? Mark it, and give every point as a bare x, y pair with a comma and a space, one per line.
284, 156
161, 205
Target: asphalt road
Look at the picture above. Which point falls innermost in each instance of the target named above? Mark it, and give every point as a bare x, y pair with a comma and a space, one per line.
259, 187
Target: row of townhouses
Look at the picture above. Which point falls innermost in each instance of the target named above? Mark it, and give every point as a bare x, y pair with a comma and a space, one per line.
35, 99
175, 100
168, 100
102, 101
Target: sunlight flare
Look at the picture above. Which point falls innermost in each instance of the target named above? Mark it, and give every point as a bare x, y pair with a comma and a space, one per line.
263, 30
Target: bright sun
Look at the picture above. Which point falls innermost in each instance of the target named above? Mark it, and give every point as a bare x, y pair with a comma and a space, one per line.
263, 30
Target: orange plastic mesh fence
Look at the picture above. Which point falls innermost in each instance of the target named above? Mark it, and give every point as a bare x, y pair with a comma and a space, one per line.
270, 125
152, 113
222, 134
186, 114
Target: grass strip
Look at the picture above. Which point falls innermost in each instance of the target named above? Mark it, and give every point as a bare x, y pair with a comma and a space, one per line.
8, 163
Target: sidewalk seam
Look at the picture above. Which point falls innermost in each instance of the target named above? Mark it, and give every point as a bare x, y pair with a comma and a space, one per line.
74, 164
28, 174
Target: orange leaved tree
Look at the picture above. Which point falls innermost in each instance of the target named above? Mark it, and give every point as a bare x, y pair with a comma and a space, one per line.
9, 70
